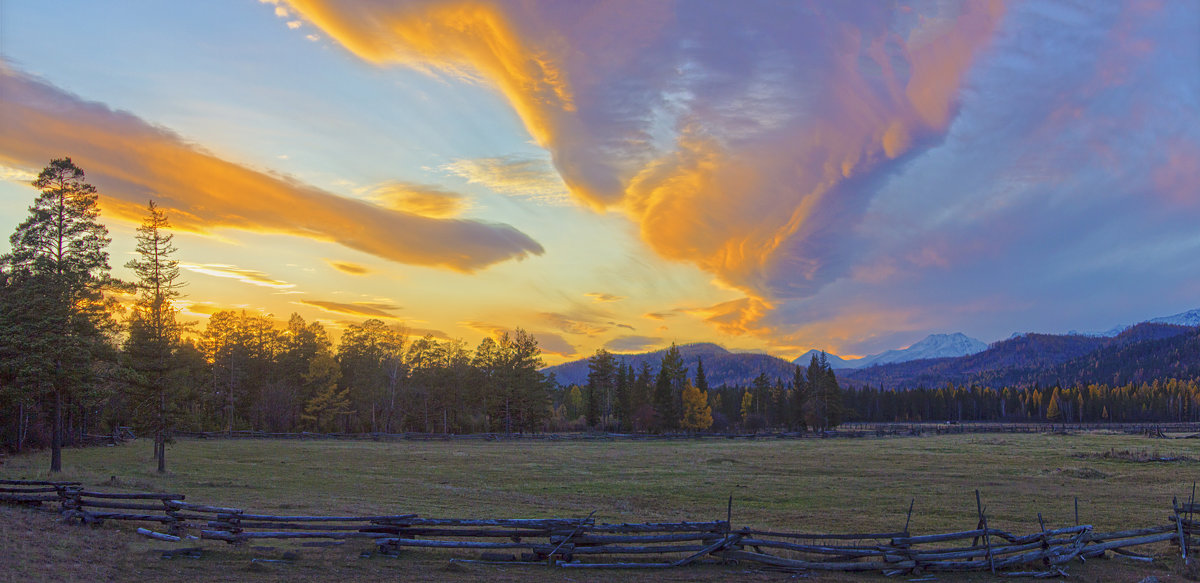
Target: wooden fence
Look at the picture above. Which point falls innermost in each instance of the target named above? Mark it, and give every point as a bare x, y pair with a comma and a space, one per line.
582, 543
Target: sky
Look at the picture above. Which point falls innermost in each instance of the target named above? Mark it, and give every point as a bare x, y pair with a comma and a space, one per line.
771, 176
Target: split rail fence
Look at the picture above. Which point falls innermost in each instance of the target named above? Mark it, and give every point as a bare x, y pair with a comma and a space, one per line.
582, 543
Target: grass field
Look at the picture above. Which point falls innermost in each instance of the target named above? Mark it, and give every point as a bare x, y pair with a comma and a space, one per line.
797, 485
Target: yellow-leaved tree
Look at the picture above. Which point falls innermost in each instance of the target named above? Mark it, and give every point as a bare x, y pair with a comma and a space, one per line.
697, 415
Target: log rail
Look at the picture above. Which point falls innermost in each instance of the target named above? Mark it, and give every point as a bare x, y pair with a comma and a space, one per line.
582, 543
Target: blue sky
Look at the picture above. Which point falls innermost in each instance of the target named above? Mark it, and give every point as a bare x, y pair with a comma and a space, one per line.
838, 175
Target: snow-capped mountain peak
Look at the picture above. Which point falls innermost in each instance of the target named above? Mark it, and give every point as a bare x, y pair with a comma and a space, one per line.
932, 346
1189, 318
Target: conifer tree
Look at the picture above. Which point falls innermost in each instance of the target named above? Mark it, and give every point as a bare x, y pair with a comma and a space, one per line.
801, 391
154, 332
668, 390
600, 387
329, 404
701, 378
58, 267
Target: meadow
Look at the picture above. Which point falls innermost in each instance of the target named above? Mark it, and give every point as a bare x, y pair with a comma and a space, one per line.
809, 485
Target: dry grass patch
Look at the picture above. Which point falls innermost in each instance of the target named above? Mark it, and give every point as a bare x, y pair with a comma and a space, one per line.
797, 485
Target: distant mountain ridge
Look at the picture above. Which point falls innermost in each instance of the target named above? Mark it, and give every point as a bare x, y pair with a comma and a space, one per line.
721, 367
1161, 348
1190, 318
1045, 359
932, 346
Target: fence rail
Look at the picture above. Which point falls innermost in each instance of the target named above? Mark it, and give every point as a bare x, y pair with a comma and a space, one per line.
582, 543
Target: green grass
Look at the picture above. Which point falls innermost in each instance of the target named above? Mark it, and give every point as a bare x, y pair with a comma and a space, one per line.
797, 485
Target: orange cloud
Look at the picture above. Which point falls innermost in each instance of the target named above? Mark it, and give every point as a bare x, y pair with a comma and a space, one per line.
735, 317
658, 316
131, 161
571, 325
850, 325
725, 159
418, 199
603, 297
633, 343
249, 276
520, 177
203, 308
472, 40
365, 309
351, 268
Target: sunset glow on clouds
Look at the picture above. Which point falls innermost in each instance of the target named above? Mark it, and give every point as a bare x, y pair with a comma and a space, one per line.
769, 176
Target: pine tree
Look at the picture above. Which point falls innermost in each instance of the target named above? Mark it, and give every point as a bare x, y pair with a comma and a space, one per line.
600, 387
701, 378
329, 404
668, 390
59, 264
625, 380
154, 332
801, 391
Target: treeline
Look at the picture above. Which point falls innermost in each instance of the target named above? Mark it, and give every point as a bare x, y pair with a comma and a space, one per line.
1159, 400
84, 354
617, 397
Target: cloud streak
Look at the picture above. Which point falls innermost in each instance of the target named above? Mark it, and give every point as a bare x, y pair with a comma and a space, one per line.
349, 268
364, 309
525, 178
418, 199
131, 161
248, 276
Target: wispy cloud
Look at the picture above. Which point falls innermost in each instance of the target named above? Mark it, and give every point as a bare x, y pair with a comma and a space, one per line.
418, 199
350, 268
603, 297
572, 324
365, 309
659, 316
526, 178
131, 161
633, 343
202, 308
249, 276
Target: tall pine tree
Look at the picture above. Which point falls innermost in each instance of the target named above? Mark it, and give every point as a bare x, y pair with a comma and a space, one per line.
59, 267
154, 331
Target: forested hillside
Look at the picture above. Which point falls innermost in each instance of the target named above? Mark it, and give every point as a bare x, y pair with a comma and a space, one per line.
1030, 359
722, 366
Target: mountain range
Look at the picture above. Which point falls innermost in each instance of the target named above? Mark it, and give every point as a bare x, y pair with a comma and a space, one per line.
1167, 347
932, 346
1142, 352
721, 367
